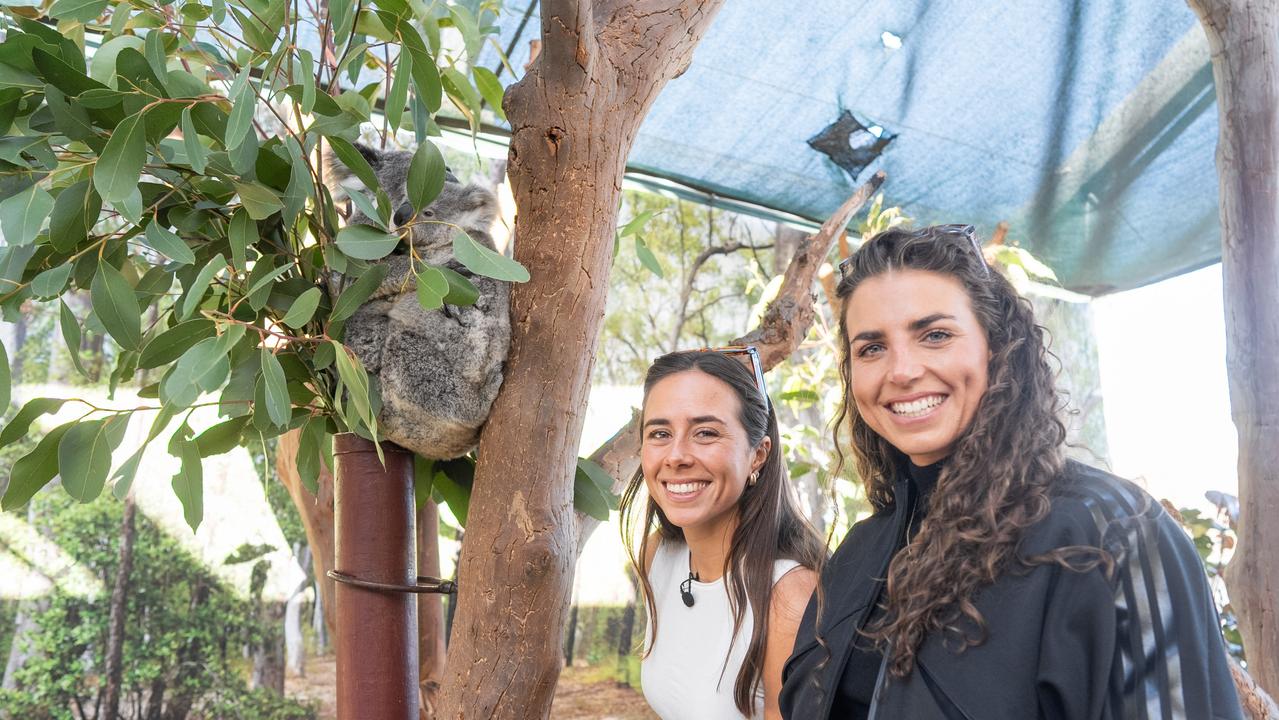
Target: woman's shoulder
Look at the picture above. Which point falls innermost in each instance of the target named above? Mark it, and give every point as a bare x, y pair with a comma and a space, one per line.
660, 551
1090, 506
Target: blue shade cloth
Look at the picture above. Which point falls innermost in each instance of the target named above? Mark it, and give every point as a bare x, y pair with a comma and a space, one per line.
1089, 126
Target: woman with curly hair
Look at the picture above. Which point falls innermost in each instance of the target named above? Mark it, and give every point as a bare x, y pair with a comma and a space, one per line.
995, 579
726, 560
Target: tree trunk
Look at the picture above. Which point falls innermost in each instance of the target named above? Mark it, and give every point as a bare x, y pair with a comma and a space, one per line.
119, 610
316, 511
430, 610
1244, 38
269, 653
294, 650
574, 117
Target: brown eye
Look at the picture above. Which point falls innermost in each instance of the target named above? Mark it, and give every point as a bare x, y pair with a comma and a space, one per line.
428, 213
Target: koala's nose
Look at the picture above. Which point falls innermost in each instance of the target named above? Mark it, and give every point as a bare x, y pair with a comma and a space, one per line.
403, 214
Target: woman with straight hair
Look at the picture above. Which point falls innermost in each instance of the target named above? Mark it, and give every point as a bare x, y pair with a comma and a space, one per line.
726, 561
995, 579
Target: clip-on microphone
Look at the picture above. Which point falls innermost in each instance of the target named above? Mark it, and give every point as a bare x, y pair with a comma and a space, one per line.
686, 588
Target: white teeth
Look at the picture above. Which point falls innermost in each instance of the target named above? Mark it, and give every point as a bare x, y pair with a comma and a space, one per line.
918, 407
684, 488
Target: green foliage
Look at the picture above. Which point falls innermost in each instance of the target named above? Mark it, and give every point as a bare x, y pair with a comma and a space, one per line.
1214, 536
183, 631
162, 162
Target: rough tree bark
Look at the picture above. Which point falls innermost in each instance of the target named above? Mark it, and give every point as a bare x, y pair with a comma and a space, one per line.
780, 331
119, 610
574, 117
1244, 38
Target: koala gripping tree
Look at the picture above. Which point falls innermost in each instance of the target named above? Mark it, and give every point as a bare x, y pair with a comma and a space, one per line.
160, 186
165, 157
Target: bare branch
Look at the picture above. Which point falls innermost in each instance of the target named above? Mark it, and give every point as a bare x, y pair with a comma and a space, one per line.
691, 277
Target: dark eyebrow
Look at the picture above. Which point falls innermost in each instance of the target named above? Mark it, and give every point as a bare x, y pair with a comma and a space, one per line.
915, 326
924, 322
868, 335
694, 421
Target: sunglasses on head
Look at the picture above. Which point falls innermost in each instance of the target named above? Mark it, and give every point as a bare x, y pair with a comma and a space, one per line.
757, 366
968, 233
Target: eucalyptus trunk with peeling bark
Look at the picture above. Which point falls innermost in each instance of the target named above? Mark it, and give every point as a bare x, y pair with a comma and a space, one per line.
574, 117
1244, 38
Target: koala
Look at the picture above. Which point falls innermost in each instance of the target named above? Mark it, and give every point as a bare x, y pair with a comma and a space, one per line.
439, 370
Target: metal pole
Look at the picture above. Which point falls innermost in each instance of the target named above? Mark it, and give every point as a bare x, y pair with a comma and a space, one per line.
377, 660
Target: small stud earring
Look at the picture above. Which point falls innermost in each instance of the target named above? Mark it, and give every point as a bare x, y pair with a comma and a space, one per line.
754, 478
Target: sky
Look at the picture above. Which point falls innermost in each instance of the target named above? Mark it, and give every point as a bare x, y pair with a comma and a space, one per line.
1163, 373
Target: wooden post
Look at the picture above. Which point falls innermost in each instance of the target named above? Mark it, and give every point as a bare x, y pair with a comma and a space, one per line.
376, 628
1244, 38
574, 117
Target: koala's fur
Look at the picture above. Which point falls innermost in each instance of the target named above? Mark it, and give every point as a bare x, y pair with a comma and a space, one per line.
439, 370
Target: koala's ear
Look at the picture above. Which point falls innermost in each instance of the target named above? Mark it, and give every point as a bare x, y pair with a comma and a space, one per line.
338, 175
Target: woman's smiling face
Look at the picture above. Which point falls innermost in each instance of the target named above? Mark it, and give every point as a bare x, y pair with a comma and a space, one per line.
917, 359
695, 452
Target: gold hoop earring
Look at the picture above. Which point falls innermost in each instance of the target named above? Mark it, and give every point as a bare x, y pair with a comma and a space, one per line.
754, 479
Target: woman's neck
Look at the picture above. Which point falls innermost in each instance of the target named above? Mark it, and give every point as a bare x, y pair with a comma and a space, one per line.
708, 547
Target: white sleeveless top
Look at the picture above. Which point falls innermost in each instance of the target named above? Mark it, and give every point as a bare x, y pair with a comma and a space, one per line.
681, 677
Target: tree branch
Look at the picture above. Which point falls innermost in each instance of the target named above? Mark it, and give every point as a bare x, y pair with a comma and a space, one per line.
691, 277
568, 42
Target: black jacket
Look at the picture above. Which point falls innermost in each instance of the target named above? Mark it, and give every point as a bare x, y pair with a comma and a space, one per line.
1061, 644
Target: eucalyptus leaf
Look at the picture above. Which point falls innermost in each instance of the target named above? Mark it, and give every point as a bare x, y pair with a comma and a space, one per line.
365, 242
170, 344
258, 200
34, 470
490, 88
483, 261
22, 215
277, 393
20, 425
81, 10
117, 307
355, 161
397, 93
116, 173
53, 281
195, 293
354, 296
241, 233
188, 484
243, 102
461, 290
303, 308
84, 458
587, 497
197, 155
165, 242
70, 326
426, 175
647, 258
432, 288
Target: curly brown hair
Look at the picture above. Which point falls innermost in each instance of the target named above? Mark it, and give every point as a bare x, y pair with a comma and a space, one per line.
996, 481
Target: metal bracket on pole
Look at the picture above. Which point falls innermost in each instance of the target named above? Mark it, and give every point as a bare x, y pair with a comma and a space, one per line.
425, 584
